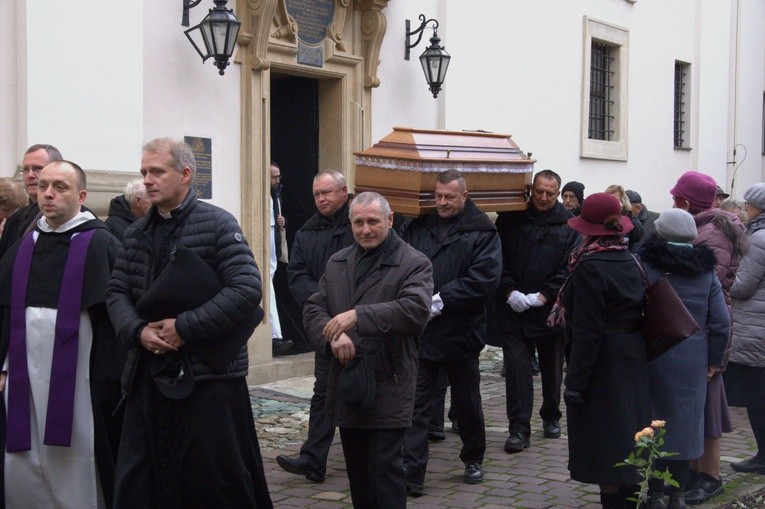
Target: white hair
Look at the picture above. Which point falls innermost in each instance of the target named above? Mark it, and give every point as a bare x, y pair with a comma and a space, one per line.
135, 188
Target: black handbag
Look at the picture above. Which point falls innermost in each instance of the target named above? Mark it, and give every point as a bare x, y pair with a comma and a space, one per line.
666, 322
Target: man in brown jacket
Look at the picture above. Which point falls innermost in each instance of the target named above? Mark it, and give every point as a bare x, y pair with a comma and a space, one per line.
373, 301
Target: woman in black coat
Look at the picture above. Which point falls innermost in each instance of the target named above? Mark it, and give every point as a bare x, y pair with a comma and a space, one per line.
607, 399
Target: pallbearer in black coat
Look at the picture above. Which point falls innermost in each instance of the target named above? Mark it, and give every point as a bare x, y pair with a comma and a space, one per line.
464, 247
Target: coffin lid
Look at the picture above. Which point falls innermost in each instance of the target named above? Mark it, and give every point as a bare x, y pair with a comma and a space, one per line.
467, 151
403, 167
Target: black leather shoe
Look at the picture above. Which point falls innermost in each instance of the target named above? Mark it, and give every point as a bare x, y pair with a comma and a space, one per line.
755, 464
654, 501
413, 488
299, 466
676, 500
517, 442
551, 429
706, 487
693, 477
280, 346
473, 473
436, 435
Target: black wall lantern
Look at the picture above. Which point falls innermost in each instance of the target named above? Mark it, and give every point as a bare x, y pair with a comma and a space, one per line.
218, 31
434, 60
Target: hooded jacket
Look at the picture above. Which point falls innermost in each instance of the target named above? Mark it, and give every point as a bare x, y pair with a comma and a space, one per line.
690, 271
679, 377
120, 216
723, 233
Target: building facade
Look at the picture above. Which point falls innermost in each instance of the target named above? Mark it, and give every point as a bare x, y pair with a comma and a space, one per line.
629, 92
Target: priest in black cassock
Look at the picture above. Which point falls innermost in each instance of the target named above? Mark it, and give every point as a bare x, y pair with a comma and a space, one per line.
61, 359
184, 298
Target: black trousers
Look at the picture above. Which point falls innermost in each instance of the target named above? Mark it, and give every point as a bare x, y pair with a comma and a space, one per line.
518, 351
465, 380
678, 469
439, 404
375, 467
757, 421
321, 430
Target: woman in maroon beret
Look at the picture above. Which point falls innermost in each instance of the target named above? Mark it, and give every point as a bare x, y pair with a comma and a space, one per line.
607, 393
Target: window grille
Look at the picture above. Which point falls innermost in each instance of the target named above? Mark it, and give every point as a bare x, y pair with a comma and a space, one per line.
601, 92
681, 82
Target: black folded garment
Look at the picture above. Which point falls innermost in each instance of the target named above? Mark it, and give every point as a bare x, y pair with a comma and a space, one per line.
185, 284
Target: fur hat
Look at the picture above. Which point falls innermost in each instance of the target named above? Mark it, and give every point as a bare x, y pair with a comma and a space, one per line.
601, 215
575, 187
676, 225
696, 188
755, 195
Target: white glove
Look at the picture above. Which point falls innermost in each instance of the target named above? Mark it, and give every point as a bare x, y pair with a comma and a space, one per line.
532, 299
436, 306
517, 301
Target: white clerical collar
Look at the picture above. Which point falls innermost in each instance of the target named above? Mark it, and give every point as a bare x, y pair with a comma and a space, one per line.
81, 217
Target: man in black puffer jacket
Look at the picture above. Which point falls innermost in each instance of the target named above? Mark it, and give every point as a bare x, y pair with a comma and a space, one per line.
464, 248
195, 447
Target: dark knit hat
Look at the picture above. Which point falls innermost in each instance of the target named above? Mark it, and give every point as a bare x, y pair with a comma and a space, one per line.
601, 216
676, 225
575, 187
634, 196
755, 195
696, 188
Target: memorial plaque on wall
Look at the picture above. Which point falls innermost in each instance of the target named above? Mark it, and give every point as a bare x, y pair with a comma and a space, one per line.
202, 149
313, 17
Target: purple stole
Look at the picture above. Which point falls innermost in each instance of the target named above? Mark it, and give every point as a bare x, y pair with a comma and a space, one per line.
60, 414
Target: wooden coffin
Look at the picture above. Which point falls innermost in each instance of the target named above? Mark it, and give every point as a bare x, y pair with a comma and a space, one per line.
404, 164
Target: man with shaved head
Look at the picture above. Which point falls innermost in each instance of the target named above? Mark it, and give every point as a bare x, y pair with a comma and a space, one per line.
61, 359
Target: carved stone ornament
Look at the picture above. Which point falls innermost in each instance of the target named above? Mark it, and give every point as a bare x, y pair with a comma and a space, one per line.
285, 25
255, 33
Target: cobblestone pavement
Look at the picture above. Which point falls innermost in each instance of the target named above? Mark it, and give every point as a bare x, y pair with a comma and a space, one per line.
534, 478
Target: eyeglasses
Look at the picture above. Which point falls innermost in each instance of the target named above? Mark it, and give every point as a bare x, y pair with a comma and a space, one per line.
324, 192
276, 177
30, 169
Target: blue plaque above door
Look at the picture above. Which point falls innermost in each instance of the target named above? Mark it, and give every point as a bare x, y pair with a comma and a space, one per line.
313, 17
